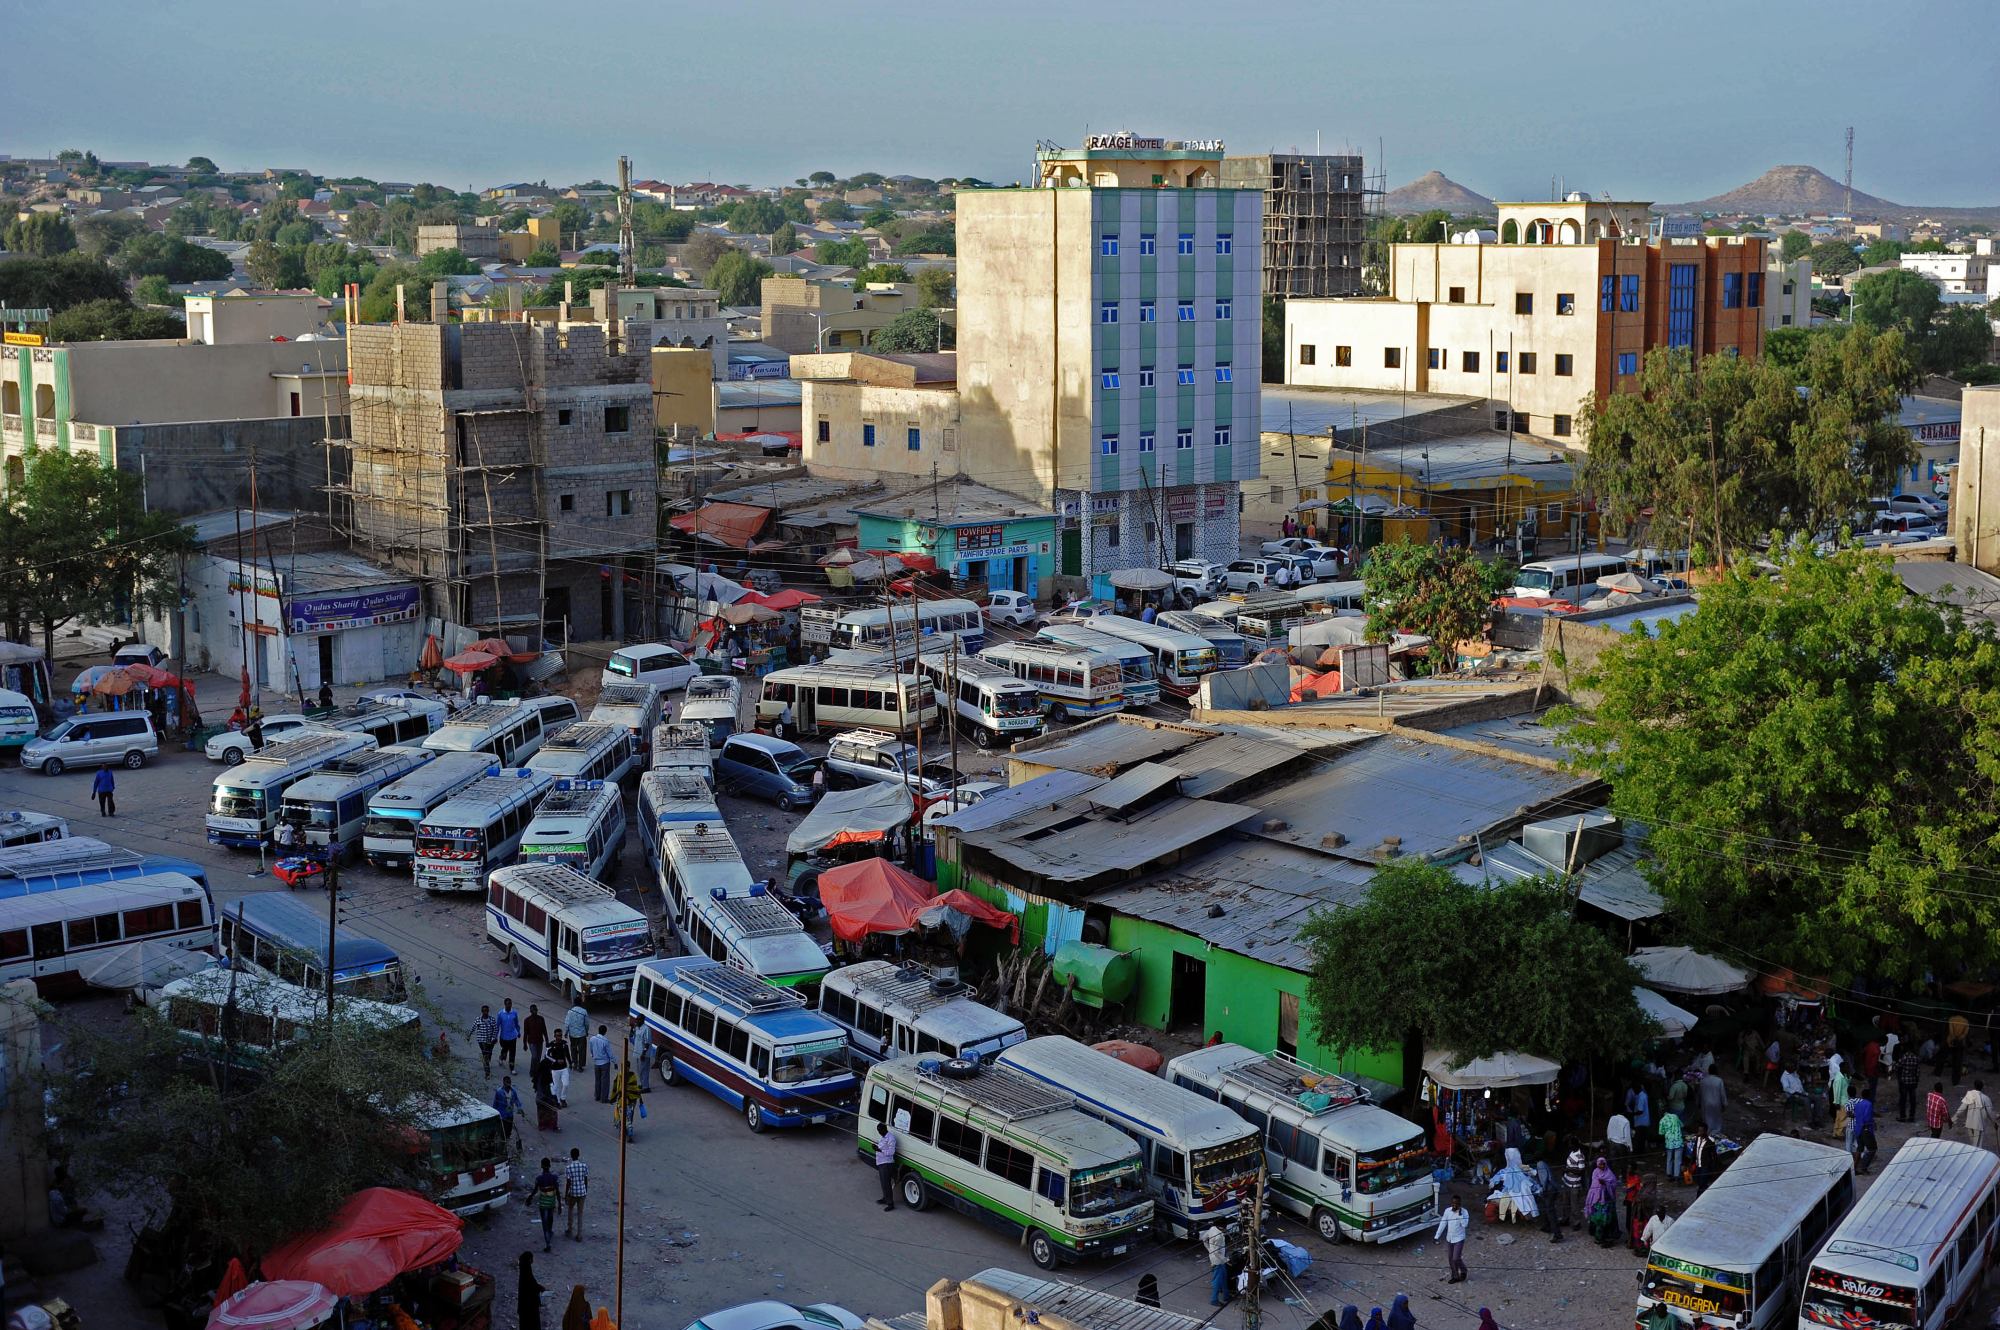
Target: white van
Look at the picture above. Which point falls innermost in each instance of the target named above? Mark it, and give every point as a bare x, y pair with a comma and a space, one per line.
635, 706
651, 662
551, 918
1567, 577
19, 826
714, 702
510, 734
331, 805
18, 722
579, 824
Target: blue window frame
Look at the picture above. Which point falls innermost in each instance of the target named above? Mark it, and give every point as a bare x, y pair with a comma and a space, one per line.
1109, 378
1224, 310
1223, 374
1187, 242
1146, 244
1732, 290
1107, 311
1628, 293
1107, 445
1500, 361
1186, 311
1107, 245
1628, 363
1607, 292
916, 438
867, 436
1184, 375
1145, 376
1146, 311
1437, 358
1222, 436
1225, 242
1756, 290
1680, 304
1146, 441
1183, 438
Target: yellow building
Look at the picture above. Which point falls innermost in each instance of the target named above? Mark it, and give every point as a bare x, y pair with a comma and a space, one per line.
683, 389
540, 233
865, 414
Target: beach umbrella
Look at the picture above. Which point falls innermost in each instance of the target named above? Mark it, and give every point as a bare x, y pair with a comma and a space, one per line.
471, 662
744, 611
1141, 579
115, 684
1674, 1022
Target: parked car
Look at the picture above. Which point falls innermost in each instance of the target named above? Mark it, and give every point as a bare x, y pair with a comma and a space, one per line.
960, 799
1907, 524
91, 740
139, 653
1920, 504
232, 746
1328, 564
1015, 607
1195, 580
1081, 611
779, 1316
857, 757
1305, 569
391, 693
773, 769
1257, 575
1288, 545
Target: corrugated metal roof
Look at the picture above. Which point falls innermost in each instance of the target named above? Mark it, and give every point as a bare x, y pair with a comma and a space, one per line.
1128, 789
1612, 882
1215, 766
1066, 845
1084, 1307
1043, 792
1107, 747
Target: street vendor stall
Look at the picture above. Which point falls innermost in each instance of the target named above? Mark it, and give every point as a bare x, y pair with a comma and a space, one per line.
1685, 970
1462, 1099
864, 816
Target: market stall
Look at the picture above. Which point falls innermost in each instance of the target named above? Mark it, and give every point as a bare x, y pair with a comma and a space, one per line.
392, 1248
1685, 970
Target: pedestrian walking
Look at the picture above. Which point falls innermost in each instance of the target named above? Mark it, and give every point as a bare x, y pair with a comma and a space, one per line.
1975, 1113
1714, 1097
1639, 1108
1216, 1243
576, 1316
576, 1186
485, 1033
1937, 1109
541, 1078
507, 1102
601, 1059
1618, 1135
106, 789
1670, 1141
1656, 1228
576, 1024
1576, 1171
1149, 1290
1375, 1320
1701, 1157
509, 1025
628, 1101
1909, 1069
1548, 1196
1451, 1227
1400, 1315
642, 1049
1861, 1134
534, 1033
885, 1165
528, 1289
1601, 1203
548, 1199
559, 1064
1794, 1091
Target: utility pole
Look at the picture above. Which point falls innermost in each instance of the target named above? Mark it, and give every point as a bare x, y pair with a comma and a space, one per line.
332, 925
1253, 1261
628, 258
624, 1131
950, 709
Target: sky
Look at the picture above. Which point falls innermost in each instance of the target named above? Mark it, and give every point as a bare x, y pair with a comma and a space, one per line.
1661, 102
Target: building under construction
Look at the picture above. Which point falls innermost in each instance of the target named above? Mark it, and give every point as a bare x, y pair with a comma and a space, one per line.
511, 469
1314, 220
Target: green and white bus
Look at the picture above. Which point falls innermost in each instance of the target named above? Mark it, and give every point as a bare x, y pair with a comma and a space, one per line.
1003, 1147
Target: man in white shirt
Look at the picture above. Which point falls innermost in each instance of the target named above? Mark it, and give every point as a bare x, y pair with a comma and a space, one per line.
1216, 1244
1618, 1135
1975, 1113
1451, 1227
1794, 1090
885, 1166
1655, 1229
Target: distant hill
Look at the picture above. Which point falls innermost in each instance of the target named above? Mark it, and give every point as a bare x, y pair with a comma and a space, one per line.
1807, 190
1434, 189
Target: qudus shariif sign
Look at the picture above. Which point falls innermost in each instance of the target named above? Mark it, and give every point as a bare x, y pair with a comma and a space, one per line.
351, 609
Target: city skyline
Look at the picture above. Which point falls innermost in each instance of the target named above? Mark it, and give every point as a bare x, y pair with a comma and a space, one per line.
969, 93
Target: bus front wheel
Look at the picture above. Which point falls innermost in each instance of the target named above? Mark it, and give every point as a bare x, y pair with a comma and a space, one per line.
916, 1194
1328, 1224
753, 1116
668, 1076
1041, 1250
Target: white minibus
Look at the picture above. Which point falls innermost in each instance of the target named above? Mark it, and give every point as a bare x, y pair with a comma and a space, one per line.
846, 697
1231, 649
635, 706
1571, 577
872, 627
330, 806
683, 748
587, 750
1180, 658
244, 799
990, 704
511, 734
579, 824
667, 799
1070, 681
714, 702
389, 837
19, 826
574, 931
477, 830
890, 1010
1139, 680
408, 720
49, 936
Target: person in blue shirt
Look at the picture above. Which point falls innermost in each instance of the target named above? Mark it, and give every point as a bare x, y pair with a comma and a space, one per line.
106, 790
509, 1027
507, 1102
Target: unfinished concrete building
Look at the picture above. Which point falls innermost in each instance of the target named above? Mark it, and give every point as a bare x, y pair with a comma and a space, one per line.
1314, 220
511, 468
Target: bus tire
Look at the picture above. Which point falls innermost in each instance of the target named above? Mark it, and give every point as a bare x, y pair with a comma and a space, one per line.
515, 965
1042, 1249
916, 1193
753, 1116
982, 738
52, 767
668, 1076
1327, 1224
134, 760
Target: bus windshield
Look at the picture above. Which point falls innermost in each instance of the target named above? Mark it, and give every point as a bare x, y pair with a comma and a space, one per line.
1196, 662
1844, 1300
1534, 579
1688, 1290
1379, 1170
440, 843
389, 828
318, 814
1226, 1163
608, 943
1099, 1191
1106, 677
235, 801
794, 1064
468, 1145
1015, 703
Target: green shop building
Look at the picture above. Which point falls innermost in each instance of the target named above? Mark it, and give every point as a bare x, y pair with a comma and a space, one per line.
981, 536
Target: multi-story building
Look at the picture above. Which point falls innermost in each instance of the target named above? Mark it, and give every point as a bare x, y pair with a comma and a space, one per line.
806, 316
1788, 290
536, 233
1565, 305
510, 469
679, 316
1314, 220
473, 241
1957, 274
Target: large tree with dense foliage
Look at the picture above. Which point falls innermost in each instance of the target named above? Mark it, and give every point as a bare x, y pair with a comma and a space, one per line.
739, 279
1817, 753
115, 321
936, 288
851, 253
1831, 258
1441, 592
1795, 245
1475, 970
58, 283
174, 259
1725, 450
43, 235
915, 330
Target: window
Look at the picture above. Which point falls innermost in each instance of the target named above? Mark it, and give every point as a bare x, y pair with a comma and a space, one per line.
617, 419
1146, 245
1222, 436
1343, 356
1111, 537
1565, 364
916, 439
1224, 374
1437, 358
1732, 290
1223, 310
1565, 302
1561, 427
1146, 442
1527, 362
1785, 321
1107, 312
1107, 445
1457, 296
1756, 290
1225, 242
618, 503
1186, 311
1524, 302
1788, 286
1005, 1161
1146, 311
1184, 376
1628, 362
1307, 353
1500, 362
1607, 290
562, 416
1680, 304
1049, 1185
1521, 423
566, 502
1186, 245
867, 436
1145, 376
1108, 246
1109, 378
922, 1120
1392, 357
1468, 361
825, 430
1628, 293
1500, 419
1183, 438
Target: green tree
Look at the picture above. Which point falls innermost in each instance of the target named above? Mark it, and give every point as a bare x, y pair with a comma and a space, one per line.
1788, 348
543, 258
176, 260
843, 253
1905, 301
1725, 450
445, 263
702, 253
913, 331
114, 321
43, 235
823, 177
758, 216
936, 288
153, 290
656, 221
332, 266
1815, 753
928, 240
1881, 252
785, 240
378, 298
1440, 592
572, 220
1429, 228
1473, 970
738, 278
881, 272
58, 283
275, 268
1832, 258
1961, 338
202, 166
835, 210
878, 216
1274, 339
107, 234
793, 205
1795, 245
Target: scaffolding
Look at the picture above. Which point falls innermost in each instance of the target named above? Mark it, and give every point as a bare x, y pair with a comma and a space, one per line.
1315, 219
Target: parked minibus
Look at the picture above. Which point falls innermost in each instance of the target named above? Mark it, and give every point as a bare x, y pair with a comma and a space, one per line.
330, 806
407, 720
1201, 1160
587, 750
510, 734
667, 798
755, 1047
270, 1015
389, 837
276, 933
1139, 680
477, 830
1353, 1168
78, 861
1006, 1148
873, 626
18, 719
753, 932
20, 826
1737, 1256
990, 705
1571, 577
579, 824
244, 799
471, 1171
891, 1010
1914, 1249
1070, 681
636, 707
1231, 649
715, 703
683, 748
1180, 658
50, 935
573, 930
845, 697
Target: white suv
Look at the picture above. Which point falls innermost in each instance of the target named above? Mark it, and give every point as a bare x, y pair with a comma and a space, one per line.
1257, 575
1195, 580
873, 756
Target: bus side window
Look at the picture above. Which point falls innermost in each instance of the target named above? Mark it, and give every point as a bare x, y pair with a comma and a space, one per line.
1169, 1165
1338, 1167
648, 994
760, 1061
1049, 1185
878, 1106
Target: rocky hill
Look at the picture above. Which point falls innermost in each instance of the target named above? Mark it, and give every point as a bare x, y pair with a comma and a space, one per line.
1434, 189
1806, 190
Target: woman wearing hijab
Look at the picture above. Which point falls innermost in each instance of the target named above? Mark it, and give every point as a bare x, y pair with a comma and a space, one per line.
1514, 1187
1400, 1315
576, 1316
1486, 1321
1350, 1317
528, 1295
1374, 1320
1601, 1203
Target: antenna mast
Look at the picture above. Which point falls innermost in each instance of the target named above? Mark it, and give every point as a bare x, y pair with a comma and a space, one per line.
628, 254
1850, 173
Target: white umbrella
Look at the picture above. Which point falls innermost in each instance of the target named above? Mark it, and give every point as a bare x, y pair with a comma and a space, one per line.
1685, 970
1493, 1073
868, 570
1674, 1023
1627, 582
142, 965
1141, 579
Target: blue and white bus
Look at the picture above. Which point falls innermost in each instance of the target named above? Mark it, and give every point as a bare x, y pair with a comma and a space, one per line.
52, 937
80, 861
1231, 647
580, 824
243, 805
755, 1047
669, 799
389, 838
477, 830
330, 807
575, 931
276, 933
1138, 678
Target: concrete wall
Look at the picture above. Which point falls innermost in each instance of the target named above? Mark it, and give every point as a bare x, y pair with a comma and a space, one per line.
202, 466
683, 389
232, 320
24, 1164
1788, 308
844, 409
1975, 499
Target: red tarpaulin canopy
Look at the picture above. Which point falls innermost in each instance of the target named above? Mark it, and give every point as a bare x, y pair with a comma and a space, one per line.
875, 896
787, 599
979, 911
731, 524
496, 647
471, 662
380, 1233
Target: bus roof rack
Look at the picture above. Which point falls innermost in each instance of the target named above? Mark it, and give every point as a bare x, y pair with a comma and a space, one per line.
560, 882
912, 985
757, 916
999, 1090
733, 986
1305, 1085
579, 797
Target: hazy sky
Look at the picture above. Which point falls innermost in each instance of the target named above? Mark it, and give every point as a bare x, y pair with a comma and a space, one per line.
1661, 101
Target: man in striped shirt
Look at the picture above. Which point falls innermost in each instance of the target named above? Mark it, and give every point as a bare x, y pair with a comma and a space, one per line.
485, 1033
576, 1185
1937, 1109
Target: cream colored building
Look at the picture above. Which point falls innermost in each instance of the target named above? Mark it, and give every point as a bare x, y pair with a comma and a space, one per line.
806, 315
1788, 289
680, 316
1564, 305
864, 414
1975, 514
998, 1299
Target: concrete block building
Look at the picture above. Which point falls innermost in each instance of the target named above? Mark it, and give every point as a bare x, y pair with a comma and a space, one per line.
510, 469
473, 241
1315, 218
